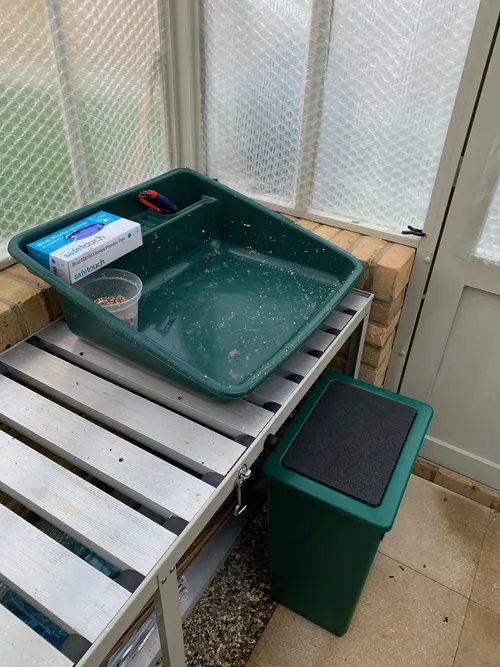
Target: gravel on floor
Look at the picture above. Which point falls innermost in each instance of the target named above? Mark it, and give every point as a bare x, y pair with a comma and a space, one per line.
231, 615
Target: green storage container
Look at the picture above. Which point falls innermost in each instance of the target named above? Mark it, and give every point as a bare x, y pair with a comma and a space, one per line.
335, 483
231, 289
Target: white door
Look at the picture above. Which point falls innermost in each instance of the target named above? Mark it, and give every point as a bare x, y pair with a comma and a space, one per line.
454, 362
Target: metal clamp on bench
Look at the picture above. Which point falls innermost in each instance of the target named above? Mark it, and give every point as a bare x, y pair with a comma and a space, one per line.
244, 474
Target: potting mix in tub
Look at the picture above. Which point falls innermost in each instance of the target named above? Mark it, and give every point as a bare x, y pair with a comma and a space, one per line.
85, 246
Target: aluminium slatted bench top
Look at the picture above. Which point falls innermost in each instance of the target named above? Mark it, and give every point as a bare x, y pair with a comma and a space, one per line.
119, 445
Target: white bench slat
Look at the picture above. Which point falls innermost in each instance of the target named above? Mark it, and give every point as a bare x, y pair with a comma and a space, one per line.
91, 516
318, 341
69, 591
180, 439
337, 320
299, 364
274, 390
233, 418
124, 466
354, 301
22, 647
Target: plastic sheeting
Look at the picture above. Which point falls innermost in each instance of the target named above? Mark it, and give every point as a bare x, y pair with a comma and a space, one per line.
254, 64
82, 105
392, 78
387, 75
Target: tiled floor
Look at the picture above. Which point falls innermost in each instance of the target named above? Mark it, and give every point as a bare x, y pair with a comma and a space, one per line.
432, 598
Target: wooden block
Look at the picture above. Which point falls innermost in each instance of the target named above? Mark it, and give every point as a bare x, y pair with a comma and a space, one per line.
468, 488
367, 248
325, 231
31, 308
10, 327
425, 469
345, 239
382, 312
391, 272
374, 375
20, 273
378, 335
375, 355
307, 224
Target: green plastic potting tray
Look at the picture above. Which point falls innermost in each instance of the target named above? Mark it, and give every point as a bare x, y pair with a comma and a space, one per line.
231, 289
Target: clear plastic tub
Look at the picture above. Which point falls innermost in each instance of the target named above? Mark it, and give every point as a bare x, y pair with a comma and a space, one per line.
111, 284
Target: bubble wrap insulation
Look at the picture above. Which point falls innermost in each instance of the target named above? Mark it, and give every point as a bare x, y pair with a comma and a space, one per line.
81, 105
392, 74
82, 111
254, 72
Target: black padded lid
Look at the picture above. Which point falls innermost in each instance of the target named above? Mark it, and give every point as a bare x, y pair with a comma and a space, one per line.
351, 442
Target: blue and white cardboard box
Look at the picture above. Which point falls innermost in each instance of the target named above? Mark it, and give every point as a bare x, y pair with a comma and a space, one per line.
76, 251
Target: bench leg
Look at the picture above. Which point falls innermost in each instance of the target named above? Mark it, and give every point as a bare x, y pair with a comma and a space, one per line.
357, 341
169, 620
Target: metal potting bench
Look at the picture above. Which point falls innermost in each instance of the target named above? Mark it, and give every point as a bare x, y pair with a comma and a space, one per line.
172, 458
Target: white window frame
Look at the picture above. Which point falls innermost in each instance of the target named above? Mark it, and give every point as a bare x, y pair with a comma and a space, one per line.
182, 40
